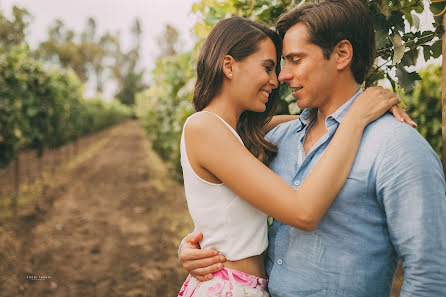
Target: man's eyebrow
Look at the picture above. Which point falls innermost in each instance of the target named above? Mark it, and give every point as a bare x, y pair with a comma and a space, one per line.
293, 54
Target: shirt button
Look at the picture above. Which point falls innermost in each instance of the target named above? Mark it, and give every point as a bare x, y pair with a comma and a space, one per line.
279, 262
297, 182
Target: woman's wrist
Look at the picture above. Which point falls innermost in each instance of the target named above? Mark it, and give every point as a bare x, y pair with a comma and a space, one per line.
355, 118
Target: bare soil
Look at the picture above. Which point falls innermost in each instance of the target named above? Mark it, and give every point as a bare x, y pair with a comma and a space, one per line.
108, 227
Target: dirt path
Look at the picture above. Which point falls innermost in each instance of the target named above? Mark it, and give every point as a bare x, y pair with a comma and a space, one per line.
108, 225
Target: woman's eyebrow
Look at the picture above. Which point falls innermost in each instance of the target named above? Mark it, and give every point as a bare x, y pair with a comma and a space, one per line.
270, 61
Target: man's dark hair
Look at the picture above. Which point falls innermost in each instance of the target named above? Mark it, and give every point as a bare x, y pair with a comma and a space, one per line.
331, 21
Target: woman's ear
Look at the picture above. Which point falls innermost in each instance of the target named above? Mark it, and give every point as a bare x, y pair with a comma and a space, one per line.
344, 54
228, 64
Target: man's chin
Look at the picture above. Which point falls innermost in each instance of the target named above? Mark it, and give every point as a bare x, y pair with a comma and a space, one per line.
301, 104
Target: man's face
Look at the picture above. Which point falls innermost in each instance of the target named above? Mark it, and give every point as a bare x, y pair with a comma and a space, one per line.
311, 76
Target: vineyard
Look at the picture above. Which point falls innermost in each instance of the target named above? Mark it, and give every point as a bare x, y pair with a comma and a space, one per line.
107, 223
91, 201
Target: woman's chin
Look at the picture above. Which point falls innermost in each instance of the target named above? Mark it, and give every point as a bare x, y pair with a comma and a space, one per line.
261, 109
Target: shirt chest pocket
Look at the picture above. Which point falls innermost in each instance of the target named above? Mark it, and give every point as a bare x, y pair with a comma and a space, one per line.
305, 250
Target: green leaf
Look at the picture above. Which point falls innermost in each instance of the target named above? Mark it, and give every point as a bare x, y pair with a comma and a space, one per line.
399, 48
31, 112
416, 20
436, 49
406, 79
410, 58
426, 52
397, 20
385, 9
381, 36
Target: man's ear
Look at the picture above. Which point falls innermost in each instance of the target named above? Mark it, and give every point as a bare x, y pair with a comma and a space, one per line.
228, 63
343, 54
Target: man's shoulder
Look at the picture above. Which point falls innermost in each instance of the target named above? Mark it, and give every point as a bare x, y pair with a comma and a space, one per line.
283, 129
390, 137
388, 128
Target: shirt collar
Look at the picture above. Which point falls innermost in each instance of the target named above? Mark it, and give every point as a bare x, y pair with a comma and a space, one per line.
339, 114
307, 116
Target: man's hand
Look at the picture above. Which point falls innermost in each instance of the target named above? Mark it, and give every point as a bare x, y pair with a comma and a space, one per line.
200, 263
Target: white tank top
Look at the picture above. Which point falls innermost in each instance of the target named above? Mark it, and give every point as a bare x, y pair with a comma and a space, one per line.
229, 224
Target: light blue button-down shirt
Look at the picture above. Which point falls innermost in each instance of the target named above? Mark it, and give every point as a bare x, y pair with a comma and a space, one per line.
392, 206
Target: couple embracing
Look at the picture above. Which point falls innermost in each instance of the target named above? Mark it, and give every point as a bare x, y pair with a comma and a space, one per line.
351, 189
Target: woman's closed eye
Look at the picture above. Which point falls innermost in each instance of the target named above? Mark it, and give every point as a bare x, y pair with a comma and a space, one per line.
268, 68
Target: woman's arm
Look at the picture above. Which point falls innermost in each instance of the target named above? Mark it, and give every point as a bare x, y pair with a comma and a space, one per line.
213, 148
397, 112
279, 119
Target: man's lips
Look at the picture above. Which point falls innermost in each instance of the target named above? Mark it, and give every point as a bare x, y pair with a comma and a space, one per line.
296, 91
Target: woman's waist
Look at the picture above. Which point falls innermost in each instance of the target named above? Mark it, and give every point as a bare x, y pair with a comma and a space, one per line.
252, 265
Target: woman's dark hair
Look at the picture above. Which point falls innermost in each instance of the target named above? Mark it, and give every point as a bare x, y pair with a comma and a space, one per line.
330, 21
239, 38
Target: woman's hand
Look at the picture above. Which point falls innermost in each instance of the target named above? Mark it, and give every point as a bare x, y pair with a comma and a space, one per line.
401, 115
200, 263
375, 101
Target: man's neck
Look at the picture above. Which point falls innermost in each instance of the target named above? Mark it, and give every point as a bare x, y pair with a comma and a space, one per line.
338, 97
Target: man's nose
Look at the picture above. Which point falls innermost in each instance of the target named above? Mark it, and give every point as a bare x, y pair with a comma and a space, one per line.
284, 75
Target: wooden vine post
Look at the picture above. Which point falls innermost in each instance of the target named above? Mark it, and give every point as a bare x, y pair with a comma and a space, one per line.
443, 93
15, 197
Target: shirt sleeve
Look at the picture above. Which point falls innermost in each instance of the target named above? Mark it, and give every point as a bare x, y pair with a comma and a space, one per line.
410, 185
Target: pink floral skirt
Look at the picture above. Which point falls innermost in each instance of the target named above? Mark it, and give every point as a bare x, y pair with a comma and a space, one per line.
226, 283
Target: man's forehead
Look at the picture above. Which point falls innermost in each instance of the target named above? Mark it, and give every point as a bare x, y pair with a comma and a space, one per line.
295, 39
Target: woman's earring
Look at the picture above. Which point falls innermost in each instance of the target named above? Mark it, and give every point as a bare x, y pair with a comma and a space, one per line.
230, 74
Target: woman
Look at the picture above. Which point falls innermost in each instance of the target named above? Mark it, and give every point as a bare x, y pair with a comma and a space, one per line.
229, 188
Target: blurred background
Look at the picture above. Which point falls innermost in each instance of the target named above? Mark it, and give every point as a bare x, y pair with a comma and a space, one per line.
93, 97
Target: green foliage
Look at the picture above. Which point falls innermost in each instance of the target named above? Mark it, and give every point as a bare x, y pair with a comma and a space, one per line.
164, 107
131, 85
93, 57
40, 109
424, 105
12, 32
399, 44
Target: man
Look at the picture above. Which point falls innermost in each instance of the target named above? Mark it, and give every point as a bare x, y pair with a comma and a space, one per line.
393, 205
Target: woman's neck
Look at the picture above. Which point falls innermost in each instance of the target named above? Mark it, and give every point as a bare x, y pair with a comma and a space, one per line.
225, 109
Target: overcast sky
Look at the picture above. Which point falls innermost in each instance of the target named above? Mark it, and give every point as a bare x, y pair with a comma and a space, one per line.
111, 15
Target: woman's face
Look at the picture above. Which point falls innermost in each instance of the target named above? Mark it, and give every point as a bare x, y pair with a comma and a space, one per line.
254, 77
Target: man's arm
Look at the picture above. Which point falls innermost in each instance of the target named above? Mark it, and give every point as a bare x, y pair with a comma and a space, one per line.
200, 263
411, 186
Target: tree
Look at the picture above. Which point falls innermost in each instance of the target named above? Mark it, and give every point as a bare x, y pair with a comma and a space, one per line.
12, 32
61, 48
125, 70
168, 41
